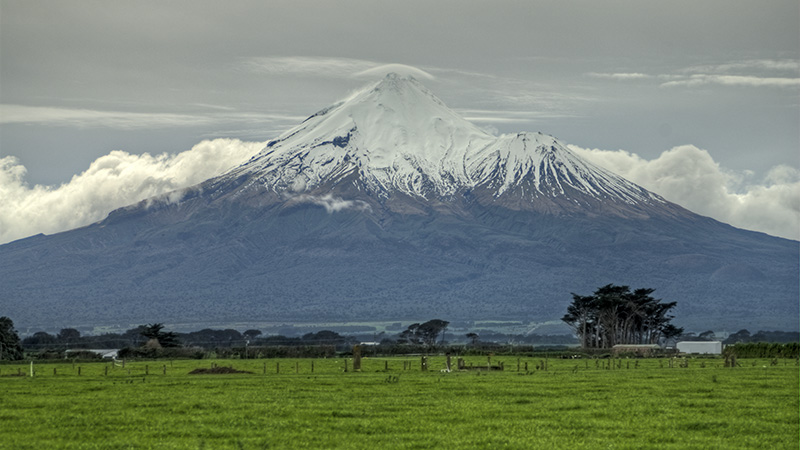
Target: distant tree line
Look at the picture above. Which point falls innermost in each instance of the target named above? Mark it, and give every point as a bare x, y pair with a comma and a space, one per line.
764, 350
744, 336
151, 340
613, 314
616, 315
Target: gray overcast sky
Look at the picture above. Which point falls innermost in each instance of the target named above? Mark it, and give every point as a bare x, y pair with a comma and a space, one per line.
81, 78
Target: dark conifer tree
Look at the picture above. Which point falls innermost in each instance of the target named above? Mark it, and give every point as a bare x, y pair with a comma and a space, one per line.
615, 315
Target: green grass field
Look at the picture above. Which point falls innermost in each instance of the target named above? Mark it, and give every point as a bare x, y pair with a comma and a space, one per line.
574, 404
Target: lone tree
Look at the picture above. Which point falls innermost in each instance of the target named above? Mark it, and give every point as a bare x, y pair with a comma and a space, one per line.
165, 339
68, 336
425, 333
615, 315
251, 334
10, 347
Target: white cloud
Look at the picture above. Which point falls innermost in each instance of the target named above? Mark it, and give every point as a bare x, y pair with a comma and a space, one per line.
111, 181
749, 65
309, 66
330, 67
89, 117
85, 118
621, 76
734, 80
400, 69
333, 204
504, 116
690, 177
781, 73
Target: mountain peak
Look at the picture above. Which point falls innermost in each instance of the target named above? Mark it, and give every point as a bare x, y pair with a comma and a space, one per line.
395, 80
398, 137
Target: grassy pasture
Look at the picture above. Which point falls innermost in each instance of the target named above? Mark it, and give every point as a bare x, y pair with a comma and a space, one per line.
574, 404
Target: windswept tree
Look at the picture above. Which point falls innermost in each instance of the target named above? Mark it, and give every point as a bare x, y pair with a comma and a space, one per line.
616, 315
409, 335
424, 333
165, 339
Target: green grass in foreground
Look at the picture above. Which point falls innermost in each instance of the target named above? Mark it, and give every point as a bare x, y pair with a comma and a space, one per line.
575, 404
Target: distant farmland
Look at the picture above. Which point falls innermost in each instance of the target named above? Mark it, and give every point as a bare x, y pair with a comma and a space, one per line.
391, 403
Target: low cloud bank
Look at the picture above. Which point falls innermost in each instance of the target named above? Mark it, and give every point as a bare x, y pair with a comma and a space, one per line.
690, 177
685, 175
111, 181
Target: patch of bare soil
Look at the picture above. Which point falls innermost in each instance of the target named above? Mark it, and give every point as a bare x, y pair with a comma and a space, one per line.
216, 371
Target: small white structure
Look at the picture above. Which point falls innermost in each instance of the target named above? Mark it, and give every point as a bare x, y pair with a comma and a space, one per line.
104, 353
700, 347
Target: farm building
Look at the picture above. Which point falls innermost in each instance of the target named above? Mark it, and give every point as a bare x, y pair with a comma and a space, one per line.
640, 350
700, 347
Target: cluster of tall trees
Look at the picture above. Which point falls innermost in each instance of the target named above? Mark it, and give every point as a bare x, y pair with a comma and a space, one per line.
423, 333
616, 315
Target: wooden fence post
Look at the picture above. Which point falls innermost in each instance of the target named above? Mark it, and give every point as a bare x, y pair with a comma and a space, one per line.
356, 358
424, 363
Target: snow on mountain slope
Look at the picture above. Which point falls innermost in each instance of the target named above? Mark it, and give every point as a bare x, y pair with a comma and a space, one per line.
546, 167
399, 137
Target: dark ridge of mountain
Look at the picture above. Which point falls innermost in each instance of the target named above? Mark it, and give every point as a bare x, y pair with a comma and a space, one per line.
389, 206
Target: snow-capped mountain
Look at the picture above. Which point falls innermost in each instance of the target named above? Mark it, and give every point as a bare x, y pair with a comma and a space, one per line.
390, 206
398, 137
